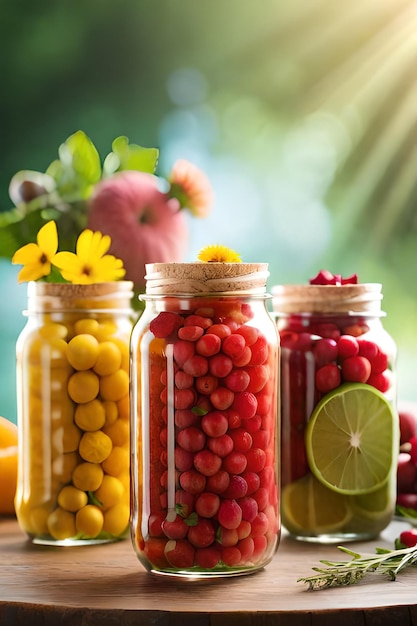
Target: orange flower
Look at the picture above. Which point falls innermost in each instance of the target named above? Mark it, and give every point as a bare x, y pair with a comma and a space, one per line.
192, 188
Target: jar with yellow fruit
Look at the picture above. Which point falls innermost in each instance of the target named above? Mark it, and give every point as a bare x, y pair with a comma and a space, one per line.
73, 413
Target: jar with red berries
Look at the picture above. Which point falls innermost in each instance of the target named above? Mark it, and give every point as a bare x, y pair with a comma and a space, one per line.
339, 424
205, 424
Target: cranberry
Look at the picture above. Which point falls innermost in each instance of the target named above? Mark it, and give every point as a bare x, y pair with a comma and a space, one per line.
222, 446
409, 537
347, 346
325, 351
214, 424
230, 514
356, 369
406, 473
179, 553
328, 377
208, 345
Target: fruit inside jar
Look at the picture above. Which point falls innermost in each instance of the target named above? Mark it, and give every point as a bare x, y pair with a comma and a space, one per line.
205, 436
337, 371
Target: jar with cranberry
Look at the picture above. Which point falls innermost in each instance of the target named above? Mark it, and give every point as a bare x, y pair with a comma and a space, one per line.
204, 429
339, 425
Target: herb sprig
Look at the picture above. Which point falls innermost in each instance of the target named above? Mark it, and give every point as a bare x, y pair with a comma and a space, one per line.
343, 573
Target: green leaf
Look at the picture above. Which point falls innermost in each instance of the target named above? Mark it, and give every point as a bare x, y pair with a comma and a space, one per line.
191, 520
131, 157
403, 511
92, 499
78, 168
197, 410
18, 229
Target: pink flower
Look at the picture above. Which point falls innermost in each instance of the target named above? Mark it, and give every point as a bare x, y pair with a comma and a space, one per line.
192, 187
145, 225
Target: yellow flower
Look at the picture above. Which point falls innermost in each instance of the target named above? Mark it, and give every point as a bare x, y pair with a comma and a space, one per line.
36, 257
90, 264
218, 254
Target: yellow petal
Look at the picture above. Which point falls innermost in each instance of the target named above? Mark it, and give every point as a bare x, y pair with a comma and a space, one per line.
67, 261
33, 272
48, 239
30, 253
91, 246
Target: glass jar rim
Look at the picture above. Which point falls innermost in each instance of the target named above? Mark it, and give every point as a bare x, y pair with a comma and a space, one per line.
321, 299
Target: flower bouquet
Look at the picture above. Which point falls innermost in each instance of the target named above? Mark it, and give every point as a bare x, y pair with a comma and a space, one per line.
138, 213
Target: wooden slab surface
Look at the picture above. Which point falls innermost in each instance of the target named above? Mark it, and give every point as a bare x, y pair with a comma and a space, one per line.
106, 584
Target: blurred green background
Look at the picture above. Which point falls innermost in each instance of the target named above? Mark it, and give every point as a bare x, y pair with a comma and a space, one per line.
302, 112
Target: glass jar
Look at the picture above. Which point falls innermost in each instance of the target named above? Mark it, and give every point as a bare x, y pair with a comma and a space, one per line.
204, 426
73, 413
333, 342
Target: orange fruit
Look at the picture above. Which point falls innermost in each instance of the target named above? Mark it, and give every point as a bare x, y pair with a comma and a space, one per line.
8, 465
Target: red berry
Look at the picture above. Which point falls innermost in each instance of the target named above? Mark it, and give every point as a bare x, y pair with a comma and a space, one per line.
381, 381
409, 537
408, 425
258, 375
207, 558
193, 482
255, 459
356, 369
222, 398
222, 445
347, 346
260, 351
214, 424
207, 504
198, 320
231, 556
407, 500
220, 365
242, 440
325, 351
202, 534
180, 553
234, 345
175, 529
183, 350
245, 403
237, 488
206, 384
165, 324
406, 473
192, 439
190, 333
327, 377
237, 380
235, 462
207, 463
221, 330
196, 365
250, 333
379, 363
208, 345
367, 348
219, 482
230, 514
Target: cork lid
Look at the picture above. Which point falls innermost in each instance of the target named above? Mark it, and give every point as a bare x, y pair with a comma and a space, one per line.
201, 278
348, 298
68, 296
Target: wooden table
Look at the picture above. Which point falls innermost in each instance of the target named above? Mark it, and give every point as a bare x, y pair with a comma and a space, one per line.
106, 585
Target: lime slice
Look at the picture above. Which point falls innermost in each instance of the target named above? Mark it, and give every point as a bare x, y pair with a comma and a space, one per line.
351, 439
308, 507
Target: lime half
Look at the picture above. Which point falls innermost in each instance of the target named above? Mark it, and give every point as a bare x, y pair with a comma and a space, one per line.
351, 439
308, 507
